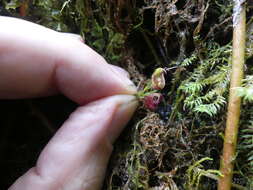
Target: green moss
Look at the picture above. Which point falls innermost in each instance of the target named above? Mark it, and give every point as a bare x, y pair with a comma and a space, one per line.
196, 171
87, 18
206, 87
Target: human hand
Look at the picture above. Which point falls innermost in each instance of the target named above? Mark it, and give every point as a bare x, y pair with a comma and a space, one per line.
36, 61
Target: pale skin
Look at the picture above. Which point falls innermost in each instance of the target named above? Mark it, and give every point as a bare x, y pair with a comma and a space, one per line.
36, 62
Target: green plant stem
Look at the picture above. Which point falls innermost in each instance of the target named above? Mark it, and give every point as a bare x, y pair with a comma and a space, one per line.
234, 103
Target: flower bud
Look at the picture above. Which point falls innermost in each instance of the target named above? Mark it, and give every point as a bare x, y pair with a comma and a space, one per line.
152, 101
158, 80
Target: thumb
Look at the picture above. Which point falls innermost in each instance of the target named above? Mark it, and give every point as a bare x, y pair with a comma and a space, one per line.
76, 157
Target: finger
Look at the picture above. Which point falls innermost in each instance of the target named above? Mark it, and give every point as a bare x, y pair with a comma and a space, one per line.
121, 71
74, 36
36, 61
76, 157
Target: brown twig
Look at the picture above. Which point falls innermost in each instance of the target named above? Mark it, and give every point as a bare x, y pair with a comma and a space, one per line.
217, 26
23, 9
234, 103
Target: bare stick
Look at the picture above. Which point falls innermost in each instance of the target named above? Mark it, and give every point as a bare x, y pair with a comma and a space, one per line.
234, 103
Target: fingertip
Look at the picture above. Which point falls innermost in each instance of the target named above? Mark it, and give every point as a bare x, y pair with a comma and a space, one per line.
125, 110
83, 144
124, 76
84, 76
120, 71
73, 36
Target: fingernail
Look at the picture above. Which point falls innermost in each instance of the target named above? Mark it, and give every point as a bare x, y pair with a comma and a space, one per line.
125, 78
123, 113
120, 70
74, 36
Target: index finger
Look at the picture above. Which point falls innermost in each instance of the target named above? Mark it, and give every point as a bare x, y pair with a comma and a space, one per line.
36, 61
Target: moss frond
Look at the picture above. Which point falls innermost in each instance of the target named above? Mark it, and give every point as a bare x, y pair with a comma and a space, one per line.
206, 87
196, 171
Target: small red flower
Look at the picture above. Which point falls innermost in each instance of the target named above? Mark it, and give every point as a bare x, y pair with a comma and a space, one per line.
152, 101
